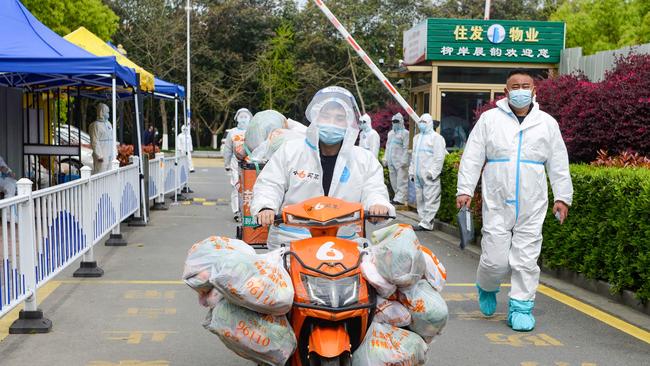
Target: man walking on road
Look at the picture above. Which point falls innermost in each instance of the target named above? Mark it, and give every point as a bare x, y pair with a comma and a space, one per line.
513, 144
429, 151
396, 158
235, 137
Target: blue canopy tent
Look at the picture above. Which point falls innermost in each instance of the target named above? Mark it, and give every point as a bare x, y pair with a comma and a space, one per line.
33, 56
35, 59
166, 90
169, 90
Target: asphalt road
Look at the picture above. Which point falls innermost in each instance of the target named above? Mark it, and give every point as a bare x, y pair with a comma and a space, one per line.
140, 313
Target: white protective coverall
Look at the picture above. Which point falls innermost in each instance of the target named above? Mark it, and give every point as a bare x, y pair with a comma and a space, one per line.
101, 140
7, 179
396, 157
429, 151
235, 135
368, 137
514, 192
184, 145
294, 172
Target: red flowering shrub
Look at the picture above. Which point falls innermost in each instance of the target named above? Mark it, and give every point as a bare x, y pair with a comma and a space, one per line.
381, 120
627, 159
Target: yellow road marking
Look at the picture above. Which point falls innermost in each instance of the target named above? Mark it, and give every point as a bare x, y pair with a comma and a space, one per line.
149, 294
120, 282
522, 340
135, 337
600, 315
209, 203
150, 313
129, 363
586, 309
196, 199
42, 293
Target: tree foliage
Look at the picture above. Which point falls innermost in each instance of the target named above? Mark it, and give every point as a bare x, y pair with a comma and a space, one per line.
64, 16
277, 69
599, 25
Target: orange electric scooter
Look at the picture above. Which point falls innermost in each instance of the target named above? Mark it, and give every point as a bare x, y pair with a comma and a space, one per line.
333, 304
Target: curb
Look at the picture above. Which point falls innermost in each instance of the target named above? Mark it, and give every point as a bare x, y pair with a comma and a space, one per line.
597, 287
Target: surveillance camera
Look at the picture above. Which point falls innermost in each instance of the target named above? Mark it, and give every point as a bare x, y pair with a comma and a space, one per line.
400, 83
381, 61
400, 63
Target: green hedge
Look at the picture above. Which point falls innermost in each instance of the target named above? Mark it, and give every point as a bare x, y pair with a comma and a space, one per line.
607, 234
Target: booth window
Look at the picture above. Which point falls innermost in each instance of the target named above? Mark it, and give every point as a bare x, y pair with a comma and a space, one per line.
457, 117
481, 75
420, 78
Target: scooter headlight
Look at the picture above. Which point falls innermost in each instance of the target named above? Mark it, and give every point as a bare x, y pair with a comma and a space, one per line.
332, 293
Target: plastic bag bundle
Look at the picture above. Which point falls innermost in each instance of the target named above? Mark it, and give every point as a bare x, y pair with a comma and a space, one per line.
435, 272
392, 312
260, 338
260, 127
276, 139
428, 310
377, 281
258, 282
209, 299
397, 255
387, 345
204, 254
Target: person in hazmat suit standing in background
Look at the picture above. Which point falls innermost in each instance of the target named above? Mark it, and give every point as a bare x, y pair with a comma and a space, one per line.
515, 145
429, 151
325, 163
368, 137
184, 145
101, 140
396, 158
231, 163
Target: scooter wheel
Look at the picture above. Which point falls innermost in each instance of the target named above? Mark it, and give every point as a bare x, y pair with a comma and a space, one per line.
239, 233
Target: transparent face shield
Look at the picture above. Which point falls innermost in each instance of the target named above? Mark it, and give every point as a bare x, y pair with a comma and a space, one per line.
333, 106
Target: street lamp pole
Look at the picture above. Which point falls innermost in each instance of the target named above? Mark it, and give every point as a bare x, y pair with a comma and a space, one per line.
487, 9
188, 92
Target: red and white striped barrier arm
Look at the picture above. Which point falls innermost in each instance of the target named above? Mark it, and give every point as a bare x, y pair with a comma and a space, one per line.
364, 56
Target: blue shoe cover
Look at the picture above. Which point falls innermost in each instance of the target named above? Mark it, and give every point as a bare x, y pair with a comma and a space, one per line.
487, 301
520, 317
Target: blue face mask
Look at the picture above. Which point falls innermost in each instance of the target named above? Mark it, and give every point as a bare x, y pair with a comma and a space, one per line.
364, 127
396, 127
331, 135
423, 127
520, 98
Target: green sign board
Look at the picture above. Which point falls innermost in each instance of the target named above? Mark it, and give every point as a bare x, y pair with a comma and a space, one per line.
484, 41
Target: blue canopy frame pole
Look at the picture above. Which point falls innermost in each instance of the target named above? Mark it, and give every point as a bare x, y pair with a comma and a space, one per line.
144, 200
114, 114
176, 147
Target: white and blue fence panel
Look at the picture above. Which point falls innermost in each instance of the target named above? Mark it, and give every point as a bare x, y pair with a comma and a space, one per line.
12, 279
130, 199
60, 237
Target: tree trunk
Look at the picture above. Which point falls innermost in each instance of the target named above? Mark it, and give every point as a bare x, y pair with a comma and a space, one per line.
163, 115
198, 136
356, 83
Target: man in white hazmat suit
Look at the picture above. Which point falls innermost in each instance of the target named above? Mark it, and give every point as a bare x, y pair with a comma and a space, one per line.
231, 163
397, 160
515, 142
368, 138
429, 151
326, 163
184, 145
101, 140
